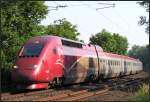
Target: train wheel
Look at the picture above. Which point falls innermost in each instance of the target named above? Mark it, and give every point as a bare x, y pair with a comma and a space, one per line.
102, 78
121, 74
49, 86
92, 78
58, 81
62, 79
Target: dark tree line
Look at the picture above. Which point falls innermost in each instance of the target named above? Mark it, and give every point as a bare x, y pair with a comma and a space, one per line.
141, 53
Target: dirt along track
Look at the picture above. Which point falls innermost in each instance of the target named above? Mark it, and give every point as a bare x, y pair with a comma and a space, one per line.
80, 92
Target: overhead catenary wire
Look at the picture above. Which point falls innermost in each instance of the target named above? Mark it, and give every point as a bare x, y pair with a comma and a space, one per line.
94, 10
107, 18
57, 4
82, 28
105, 3
104, 7
112, 5
123, 20
112, 22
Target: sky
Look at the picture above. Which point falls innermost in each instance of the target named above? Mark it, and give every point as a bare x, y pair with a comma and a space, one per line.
122, 19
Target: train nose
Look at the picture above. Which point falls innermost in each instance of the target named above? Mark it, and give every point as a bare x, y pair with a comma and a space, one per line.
23, 76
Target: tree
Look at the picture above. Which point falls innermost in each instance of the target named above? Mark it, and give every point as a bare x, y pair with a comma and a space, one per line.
63, 28
142, 53
81, 41
19, 21
121, 44
110, 42
143, 20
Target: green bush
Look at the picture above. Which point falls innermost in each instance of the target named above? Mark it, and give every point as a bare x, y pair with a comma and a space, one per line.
143, 93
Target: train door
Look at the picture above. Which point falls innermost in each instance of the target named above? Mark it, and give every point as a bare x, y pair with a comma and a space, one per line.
55, 60
58, 66
125, 67
106, 67
92, 64
70, 62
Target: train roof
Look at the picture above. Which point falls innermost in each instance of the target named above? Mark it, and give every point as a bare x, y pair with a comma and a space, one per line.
97, 46
47, 36
120, 56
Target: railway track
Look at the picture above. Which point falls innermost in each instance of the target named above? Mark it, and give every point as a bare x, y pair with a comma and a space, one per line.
72, 94
31, 95
75, 96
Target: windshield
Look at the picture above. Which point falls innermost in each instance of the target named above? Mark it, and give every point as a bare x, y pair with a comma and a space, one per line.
31, 50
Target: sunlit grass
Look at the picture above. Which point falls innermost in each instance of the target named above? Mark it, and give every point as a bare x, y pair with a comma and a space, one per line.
142, 94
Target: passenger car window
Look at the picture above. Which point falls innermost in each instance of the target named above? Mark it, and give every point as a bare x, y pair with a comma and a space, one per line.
71, 44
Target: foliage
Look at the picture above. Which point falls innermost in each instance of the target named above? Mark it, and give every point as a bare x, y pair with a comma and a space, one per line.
143, 20
81, 41
142, 53
121, 44
143, 93
19, 21
110, 42
63, 28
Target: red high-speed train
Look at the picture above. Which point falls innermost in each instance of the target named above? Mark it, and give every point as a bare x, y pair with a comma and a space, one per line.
45, 61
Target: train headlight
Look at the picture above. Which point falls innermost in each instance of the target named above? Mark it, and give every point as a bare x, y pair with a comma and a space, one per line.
32, 66
35, 66
15, 66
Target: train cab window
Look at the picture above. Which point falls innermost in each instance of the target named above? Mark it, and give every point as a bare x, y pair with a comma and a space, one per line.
31, 50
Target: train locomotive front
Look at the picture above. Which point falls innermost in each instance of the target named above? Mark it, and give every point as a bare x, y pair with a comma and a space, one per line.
35, 66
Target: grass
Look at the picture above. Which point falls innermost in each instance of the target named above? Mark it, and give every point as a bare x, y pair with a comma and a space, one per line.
142, 94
